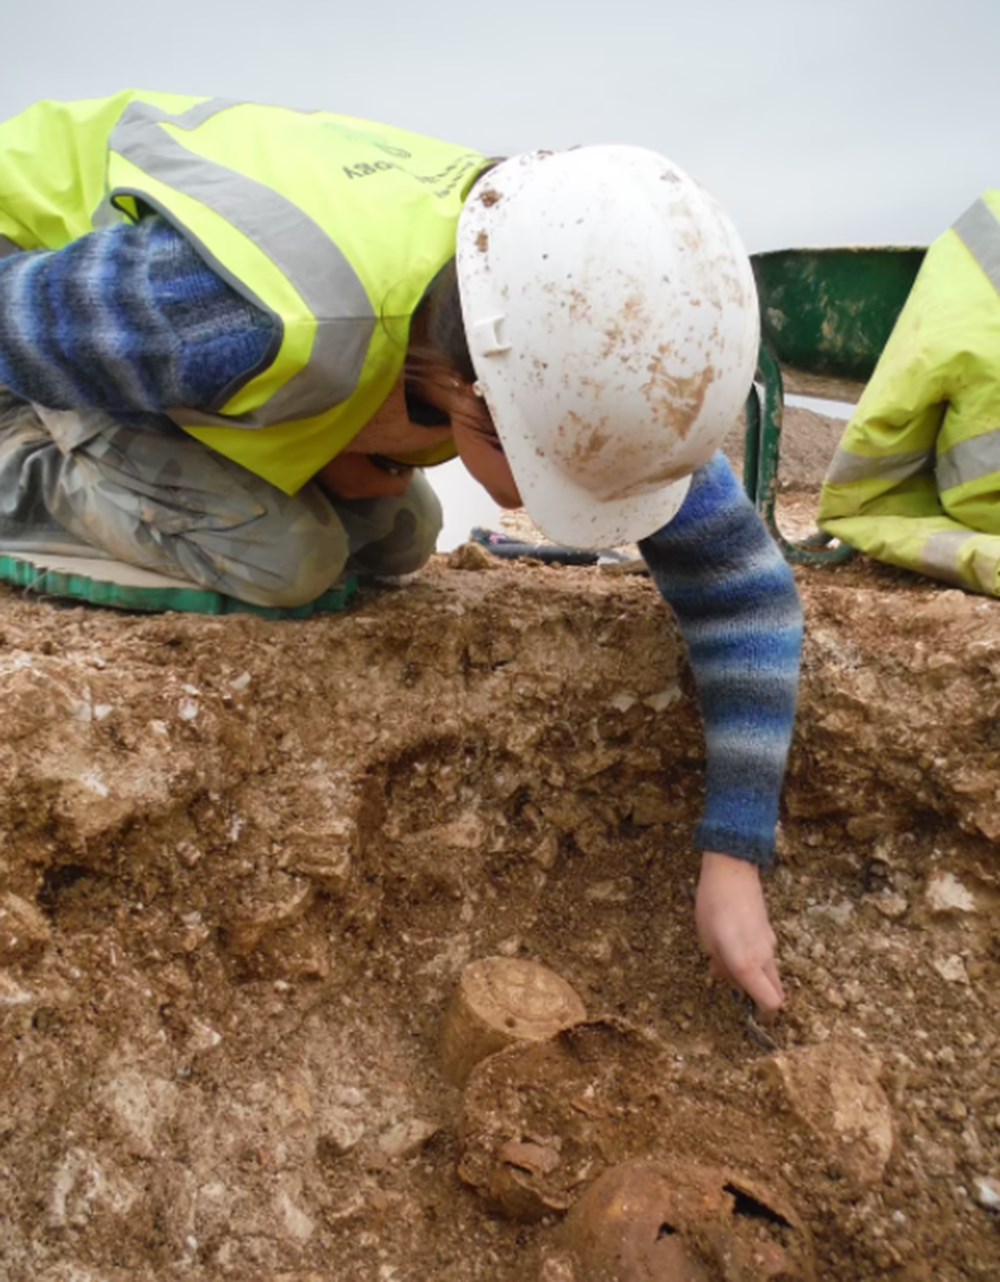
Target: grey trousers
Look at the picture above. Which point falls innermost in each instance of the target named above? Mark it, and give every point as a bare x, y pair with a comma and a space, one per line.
147, 493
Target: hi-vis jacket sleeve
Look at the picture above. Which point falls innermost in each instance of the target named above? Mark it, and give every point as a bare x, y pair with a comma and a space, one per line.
916, 479
46, 206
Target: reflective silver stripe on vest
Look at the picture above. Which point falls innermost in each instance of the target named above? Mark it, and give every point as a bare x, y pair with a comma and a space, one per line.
312, 262
979, 230
8, 247
941, 553
848, 469
969, 460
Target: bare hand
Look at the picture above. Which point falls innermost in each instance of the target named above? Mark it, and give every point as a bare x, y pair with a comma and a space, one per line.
734, 930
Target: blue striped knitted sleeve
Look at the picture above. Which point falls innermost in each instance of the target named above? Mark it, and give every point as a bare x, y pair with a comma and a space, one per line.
739, 613
126, 319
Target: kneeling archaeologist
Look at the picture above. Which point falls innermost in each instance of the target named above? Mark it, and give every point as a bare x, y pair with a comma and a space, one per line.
231, 336
916, 480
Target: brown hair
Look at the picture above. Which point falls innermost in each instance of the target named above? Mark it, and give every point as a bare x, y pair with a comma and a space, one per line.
438, 317
438, 320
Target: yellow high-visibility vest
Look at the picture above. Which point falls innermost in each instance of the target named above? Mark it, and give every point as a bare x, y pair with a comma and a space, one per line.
916, 479
334, 225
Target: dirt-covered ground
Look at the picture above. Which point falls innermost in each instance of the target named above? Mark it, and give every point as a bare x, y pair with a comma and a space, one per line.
243, 865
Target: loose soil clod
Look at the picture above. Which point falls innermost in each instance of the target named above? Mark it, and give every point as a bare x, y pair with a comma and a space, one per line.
834, 1090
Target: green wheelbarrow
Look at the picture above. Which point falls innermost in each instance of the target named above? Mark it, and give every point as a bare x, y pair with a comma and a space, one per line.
825, 316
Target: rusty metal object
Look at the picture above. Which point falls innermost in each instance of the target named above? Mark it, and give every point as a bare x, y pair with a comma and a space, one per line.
539, 1121
676, 1221
515, 1190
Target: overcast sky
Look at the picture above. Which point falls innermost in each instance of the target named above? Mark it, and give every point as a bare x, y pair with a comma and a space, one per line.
840, 122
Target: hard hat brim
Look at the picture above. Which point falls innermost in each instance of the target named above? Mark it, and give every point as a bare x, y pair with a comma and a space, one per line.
570, 515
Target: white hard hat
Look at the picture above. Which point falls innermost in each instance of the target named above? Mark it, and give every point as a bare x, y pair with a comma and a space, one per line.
612, 321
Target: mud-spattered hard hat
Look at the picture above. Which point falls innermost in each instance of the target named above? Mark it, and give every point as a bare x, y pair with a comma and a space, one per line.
612, 321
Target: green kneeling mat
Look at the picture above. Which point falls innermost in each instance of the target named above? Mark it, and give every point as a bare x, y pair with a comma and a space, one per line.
125, 587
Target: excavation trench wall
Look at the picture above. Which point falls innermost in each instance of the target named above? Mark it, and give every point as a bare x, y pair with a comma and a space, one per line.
244, 863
